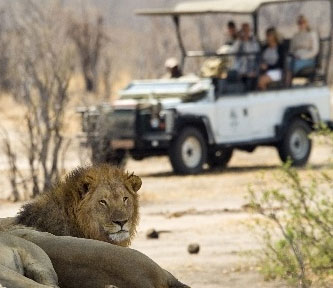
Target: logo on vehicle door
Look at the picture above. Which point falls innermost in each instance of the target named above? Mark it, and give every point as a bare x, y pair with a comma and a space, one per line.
233, 119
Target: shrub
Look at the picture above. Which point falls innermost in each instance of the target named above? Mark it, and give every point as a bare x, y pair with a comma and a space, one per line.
298, 236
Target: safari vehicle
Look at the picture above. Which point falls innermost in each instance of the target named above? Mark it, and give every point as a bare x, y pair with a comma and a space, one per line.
202, 120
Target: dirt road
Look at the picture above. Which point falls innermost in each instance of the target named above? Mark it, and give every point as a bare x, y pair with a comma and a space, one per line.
206, 209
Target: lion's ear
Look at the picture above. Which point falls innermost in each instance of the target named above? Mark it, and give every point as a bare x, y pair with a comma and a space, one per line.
85, 186
135, 182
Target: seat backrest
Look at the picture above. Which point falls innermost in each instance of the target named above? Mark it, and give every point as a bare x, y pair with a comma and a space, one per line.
320, 54
285, 45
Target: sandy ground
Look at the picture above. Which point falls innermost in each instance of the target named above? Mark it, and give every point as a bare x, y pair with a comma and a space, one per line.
206, 209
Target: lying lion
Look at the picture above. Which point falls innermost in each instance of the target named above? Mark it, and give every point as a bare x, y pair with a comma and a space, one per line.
98, 203
20, 258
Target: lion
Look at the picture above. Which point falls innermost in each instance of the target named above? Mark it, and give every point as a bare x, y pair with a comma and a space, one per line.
99, 203
24, 265
96, 202
86, 263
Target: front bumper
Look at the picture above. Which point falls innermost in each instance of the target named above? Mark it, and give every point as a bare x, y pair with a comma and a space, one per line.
122, 144
147, 141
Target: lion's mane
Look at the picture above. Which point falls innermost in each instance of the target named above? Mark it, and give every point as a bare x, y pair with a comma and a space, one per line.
58, 210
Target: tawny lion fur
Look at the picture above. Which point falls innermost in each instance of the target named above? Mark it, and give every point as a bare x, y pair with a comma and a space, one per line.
22, 261
87, 204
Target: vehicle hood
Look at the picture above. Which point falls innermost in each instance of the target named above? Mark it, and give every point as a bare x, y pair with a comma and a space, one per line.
165, 89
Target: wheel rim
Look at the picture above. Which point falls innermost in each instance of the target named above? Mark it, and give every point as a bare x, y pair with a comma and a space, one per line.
191, 152
299, 144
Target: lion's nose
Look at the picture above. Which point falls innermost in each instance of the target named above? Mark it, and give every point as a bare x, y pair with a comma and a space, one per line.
120, 223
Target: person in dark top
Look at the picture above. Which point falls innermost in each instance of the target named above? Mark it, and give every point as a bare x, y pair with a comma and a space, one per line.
231, 37
232, 33
271, 64
172, 67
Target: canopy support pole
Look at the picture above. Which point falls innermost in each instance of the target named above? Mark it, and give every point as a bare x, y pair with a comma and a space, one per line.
255, 23
329, 62
176, 21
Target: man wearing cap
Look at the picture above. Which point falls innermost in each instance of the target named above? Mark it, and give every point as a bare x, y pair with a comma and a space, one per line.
172, 66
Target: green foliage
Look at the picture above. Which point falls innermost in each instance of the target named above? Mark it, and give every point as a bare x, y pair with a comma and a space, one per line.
298, 247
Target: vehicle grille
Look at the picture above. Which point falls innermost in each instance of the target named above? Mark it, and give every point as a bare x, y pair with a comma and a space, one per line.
122, 124
89, 122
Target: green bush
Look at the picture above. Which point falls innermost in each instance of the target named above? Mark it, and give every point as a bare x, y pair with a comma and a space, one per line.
298, 236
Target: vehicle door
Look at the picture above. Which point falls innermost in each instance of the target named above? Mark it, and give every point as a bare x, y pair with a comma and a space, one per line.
233, 118
267, 110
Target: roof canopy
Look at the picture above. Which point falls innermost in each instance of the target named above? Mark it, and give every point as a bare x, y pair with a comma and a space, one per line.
217, 6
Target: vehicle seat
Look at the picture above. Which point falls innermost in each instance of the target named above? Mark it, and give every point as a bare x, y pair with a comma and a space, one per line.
307, 72
230, 85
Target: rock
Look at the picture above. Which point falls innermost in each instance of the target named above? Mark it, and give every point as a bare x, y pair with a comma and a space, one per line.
193, 248
152, 234
251, 207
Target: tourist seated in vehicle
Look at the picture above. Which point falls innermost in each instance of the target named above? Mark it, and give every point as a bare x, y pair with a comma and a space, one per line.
247, 49
304, 47
218, 67
232, 35
271, 61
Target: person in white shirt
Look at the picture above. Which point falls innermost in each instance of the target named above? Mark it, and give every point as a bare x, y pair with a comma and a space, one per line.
304, 46
247, 50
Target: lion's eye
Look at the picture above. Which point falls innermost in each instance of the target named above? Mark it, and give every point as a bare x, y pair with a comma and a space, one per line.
125, 199
103, 202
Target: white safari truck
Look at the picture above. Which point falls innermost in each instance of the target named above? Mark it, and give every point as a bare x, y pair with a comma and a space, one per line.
197, 121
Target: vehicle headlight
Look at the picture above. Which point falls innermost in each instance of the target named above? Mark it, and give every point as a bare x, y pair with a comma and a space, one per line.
155, 122
156, 119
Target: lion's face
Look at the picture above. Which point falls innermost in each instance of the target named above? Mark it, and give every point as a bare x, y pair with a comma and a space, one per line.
108, 210
113, 209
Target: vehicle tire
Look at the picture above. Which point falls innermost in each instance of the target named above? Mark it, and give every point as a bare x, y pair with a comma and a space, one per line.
220, 158
188, 152
296, 144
